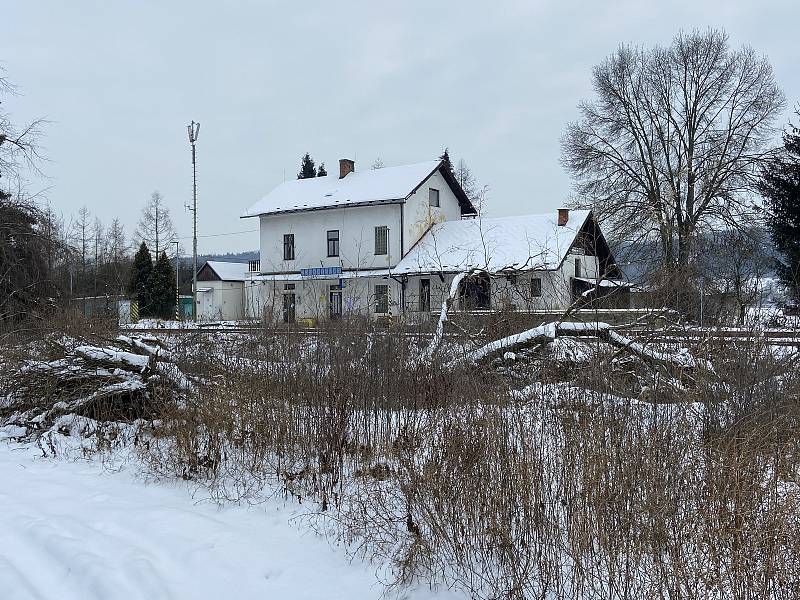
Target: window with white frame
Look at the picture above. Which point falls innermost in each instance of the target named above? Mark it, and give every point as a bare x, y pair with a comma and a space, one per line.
333, 242
578, 267
433, 196
381, 240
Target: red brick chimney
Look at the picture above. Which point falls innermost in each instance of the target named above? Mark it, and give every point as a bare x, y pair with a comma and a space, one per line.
563, 216
346, 166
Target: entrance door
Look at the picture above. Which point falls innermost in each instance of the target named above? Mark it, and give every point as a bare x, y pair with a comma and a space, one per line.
288, 308
335, 302
475, 293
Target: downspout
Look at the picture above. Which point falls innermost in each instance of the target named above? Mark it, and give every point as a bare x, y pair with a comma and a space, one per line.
402, 254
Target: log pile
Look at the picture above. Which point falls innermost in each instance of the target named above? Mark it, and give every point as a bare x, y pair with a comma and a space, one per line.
117, 380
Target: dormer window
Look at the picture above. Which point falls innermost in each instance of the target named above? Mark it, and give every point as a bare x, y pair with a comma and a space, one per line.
433, 197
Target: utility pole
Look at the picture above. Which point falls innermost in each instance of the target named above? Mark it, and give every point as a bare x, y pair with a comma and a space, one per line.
177, 282
194, 132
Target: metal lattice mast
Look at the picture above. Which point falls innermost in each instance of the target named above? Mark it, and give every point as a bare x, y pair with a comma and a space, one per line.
194, 132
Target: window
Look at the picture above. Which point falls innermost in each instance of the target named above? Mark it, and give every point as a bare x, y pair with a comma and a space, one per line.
433, 197
288, 246
425, 295
382, 298
536, 287
333, 242
381, 240
289, 303
577, 267
335, 301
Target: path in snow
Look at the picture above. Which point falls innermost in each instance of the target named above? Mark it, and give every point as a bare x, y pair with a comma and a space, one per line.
73, 530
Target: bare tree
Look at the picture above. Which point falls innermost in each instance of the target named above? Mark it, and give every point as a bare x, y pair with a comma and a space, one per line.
18, 147
671, 144
117, 252
467, 181
155, 225
81, 238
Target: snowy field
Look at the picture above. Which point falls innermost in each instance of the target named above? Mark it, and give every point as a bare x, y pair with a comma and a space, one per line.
80, 530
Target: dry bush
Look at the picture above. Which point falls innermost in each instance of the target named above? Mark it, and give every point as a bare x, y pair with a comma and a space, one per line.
443, 472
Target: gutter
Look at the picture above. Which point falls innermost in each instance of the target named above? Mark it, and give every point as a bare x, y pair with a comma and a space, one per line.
331, 207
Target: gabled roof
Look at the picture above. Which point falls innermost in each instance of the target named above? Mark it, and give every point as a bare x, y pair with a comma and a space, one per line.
386, 185
226, 271
527, 242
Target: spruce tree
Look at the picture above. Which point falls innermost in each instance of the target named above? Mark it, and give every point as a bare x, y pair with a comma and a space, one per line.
139, 287
162, 288
780, 185
447, 163
321, 172
307, 169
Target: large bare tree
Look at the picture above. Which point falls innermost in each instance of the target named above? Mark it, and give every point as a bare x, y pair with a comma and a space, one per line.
671, 143
25, 243
155, 225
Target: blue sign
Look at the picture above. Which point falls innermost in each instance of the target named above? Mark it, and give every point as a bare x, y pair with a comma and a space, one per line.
322, 272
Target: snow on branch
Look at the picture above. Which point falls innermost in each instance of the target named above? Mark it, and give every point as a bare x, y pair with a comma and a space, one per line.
446, 303
550, 331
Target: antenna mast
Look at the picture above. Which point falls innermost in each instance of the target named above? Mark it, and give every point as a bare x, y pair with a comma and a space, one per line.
194, 132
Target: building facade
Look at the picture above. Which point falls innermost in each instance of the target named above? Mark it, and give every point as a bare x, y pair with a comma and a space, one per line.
388, 242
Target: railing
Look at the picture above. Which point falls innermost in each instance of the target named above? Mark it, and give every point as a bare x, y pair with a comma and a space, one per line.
254, 266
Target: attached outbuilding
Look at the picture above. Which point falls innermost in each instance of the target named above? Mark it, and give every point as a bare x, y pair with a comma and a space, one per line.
220, 291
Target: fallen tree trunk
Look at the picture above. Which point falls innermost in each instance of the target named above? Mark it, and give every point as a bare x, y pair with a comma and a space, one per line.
550, 331
427, 354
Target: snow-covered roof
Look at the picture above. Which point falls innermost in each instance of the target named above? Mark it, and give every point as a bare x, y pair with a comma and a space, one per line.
228, 271
375, 186
524, 242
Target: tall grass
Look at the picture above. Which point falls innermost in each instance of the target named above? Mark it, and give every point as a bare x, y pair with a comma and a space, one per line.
445, 473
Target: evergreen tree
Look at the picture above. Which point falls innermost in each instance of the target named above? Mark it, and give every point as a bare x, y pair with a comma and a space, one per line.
780, 185
162, 288
139, 287
445, 158
307, 169
321, 172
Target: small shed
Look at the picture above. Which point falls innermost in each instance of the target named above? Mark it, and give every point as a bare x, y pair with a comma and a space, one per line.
220, 291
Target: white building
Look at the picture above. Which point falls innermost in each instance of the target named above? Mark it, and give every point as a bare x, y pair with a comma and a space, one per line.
220, 291
389, 242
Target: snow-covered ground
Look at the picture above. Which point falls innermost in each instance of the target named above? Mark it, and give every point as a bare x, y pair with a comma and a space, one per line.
77, 530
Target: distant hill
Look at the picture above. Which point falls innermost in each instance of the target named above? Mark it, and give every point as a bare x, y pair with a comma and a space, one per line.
229, 257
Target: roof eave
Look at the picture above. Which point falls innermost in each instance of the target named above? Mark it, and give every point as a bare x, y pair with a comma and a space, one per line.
333, 207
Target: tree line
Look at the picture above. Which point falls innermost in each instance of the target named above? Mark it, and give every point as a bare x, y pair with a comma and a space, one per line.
47, 261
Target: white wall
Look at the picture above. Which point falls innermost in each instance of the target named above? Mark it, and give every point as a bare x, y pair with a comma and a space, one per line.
223, 301
356, 227
312, 297
419, 215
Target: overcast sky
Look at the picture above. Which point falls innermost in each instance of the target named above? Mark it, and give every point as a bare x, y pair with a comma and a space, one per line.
495, 81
